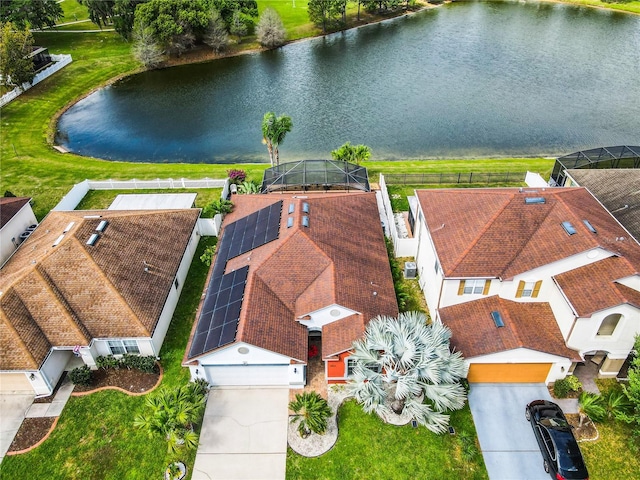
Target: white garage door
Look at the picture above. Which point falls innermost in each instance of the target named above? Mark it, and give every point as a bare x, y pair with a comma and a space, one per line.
248, 375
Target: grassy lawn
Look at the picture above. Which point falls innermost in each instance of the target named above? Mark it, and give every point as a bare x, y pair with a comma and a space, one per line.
367, 448
95, 438
101, 199
613, 455
632, 7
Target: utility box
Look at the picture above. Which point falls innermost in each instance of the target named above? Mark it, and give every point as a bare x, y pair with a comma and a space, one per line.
410, 270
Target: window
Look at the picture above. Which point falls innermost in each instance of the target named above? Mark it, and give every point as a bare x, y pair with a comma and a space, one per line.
474, 287
609, 324
528, 289
120, 347
351, 364
437, 267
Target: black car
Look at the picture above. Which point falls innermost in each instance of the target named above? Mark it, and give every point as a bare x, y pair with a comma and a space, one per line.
560, 451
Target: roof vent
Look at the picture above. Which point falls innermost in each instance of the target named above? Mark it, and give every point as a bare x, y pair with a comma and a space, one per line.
292, 207
58, 240
534, 200
569, 228
92, 239
591, 228
305, 221
305, 207
102, 225
497, 318
68, 227
289, 222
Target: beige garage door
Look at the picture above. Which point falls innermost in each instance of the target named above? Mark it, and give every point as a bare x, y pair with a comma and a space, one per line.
508, 372
15, 382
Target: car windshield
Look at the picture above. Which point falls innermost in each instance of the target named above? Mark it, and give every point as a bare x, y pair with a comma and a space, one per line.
555, 422
569, 456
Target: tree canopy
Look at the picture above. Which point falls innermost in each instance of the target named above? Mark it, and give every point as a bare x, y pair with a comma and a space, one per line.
327, 13
34, 14
270, 31
274, 129
400, 361
120, 13
16, 44
352, 153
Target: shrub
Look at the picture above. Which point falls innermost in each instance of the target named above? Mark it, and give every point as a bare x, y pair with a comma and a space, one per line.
81, 376
592, 405
146, 364
561, 388
107, 362
236, 176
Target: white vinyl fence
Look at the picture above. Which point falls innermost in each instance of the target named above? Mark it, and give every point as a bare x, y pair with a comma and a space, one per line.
403, 247
60, 62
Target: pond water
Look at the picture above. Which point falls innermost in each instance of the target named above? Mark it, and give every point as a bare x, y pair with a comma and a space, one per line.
467, 79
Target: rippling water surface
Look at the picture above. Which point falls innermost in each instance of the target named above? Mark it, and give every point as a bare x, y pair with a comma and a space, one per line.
462, 80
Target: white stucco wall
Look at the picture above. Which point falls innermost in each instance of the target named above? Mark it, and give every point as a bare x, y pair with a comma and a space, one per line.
585, 338
53, 366
231, 355
631, 282
12, 229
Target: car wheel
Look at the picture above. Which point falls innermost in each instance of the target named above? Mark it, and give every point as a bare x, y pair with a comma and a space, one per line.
527, 414
546, 466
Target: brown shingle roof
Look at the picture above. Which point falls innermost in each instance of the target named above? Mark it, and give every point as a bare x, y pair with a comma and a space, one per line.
67, 294
337, 337
526, 325
593, 287
339, 259
9, 206
493, 233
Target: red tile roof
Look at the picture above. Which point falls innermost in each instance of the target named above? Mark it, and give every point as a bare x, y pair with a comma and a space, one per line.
593, 287
9, 206
526, 325
493, 233
65, 295
340, 258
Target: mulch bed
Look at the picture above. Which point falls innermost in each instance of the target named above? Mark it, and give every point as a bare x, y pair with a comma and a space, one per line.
33, 430
587, 431
133, 381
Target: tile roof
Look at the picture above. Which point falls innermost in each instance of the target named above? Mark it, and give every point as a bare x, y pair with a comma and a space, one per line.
493, 233
340, 258
593, 287
9, 206
67, 294
337, 337
526, 325
617, 189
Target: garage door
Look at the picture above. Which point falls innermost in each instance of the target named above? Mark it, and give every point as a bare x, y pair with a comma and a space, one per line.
15, 382
248, 375
508, 372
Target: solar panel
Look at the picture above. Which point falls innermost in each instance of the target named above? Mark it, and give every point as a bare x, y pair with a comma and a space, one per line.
254, 230
220, 314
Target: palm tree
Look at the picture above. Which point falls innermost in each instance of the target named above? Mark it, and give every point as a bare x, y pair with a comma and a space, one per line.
173, 414
312, 411
274, 129
590, 406
248, 188
220, 206
352, 153
400, 361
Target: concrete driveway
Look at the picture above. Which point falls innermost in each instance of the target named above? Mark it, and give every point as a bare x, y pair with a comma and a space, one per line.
508, 445
13, 407
244, 435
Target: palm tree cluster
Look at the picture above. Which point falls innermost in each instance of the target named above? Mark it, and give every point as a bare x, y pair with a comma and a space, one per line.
405, 366
173, 414
274, 129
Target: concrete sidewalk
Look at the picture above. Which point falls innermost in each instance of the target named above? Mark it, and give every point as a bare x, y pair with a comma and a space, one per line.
13, 407
53, 409
244, 435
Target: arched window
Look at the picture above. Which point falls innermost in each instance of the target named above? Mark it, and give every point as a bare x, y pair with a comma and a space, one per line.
609, 324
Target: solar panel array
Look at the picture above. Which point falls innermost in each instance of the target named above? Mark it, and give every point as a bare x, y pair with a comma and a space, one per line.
220, 313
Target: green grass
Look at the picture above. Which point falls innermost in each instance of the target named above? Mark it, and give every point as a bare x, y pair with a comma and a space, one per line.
73, 11
101, 199
367, 448
95, 438
616, 454
631, 7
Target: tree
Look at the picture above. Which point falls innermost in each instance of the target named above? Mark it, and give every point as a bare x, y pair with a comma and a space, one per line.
312, 411
216, 36
274, 129
238, 25
120, 13
145, 47
401, 360
352, 153
270, 31
173, 414
174, 24
16, 44
632, 388
325, 13
34, 14
208, 254
227, 9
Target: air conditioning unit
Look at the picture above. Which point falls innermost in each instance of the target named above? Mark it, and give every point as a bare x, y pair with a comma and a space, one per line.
410, 270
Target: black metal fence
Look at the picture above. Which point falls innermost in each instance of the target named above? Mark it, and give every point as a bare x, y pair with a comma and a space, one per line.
452, 178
